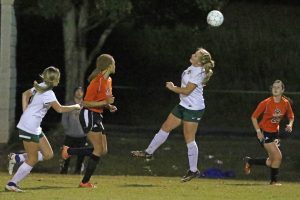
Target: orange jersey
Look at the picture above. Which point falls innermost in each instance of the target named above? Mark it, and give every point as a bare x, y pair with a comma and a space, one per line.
273, 113
98, 90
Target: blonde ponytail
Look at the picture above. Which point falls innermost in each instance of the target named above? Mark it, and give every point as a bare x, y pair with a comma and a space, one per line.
50, 76
207, 63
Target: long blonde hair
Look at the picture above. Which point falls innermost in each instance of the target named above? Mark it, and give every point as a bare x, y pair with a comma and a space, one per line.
50, 76
207, 63
103, 62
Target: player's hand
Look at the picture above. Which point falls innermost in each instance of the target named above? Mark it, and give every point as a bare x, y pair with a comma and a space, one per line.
110, 100
112, 108
170, 85
289, 128
260, 135
77, 106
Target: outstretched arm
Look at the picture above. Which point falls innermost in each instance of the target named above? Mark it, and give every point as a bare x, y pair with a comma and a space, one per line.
181, 90
61, 109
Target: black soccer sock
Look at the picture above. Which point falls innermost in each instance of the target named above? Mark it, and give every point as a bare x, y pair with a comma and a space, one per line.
274, 174
83, 151
257, 161
79, 164
65, 166
90, 168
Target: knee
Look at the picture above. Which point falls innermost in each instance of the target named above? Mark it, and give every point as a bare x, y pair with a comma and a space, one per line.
32, 161
104, 152
276, 159
165, 127
48, 156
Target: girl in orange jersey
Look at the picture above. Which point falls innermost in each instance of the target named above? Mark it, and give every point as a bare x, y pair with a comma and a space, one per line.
273, 109
98, 96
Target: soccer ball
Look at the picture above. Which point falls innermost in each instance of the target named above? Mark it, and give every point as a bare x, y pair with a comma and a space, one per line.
215, 18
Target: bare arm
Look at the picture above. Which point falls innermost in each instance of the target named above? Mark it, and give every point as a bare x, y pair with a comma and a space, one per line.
259, 134
61, 109
181, 90
25, 99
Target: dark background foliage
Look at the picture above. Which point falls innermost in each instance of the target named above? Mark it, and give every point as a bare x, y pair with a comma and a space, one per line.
257, 44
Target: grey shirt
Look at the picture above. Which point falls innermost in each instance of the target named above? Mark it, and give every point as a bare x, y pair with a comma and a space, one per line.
71, 124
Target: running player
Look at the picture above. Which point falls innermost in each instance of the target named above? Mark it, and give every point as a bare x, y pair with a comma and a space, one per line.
98, 96
272, 109
36, 102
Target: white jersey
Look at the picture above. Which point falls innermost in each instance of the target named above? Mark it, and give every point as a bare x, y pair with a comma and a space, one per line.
32, 117
195, 100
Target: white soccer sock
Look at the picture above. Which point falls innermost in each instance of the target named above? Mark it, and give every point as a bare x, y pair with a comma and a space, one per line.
22, 172
24, 156
193, 155
158, 140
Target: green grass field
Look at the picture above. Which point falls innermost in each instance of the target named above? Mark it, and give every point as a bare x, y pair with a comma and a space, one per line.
48, 186
119, 176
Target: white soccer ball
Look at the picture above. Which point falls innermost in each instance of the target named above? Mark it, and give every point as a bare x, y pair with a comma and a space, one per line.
215, 18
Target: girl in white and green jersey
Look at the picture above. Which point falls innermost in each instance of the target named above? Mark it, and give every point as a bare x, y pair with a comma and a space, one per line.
36, 102
188, 112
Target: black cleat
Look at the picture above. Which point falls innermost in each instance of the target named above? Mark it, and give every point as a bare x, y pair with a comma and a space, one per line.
141, 154
190, 175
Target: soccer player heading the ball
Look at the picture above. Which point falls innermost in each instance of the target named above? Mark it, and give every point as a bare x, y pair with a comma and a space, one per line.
189, 111
273, 109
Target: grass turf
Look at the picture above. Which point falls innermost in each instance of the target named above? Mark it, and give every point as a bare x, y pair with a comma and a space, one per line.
49, 186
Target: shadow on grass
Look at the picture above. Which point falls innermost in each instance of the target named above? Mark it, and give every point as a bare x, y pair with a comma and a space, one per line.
46, 187
139, 185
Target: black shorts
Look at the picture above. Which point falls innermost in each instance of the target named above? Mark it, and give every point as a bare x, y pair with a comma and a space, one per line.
90, 121
270, 137
75, 142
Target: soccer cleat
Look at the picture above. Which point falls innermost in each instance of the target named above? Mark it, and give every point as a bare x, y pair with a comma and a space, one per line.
247, 166
11, 162
87, 185
12, 187
190, 175
275, 183
64, 152
141, 154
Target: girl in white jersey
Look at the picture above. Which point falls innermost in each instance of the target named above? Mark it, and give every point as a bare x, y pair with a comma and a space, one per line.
189, 111
36, 102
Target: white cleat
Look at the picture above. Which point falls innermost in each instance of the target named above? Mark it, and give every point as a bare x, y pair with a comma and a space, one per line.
11, 162
11, 187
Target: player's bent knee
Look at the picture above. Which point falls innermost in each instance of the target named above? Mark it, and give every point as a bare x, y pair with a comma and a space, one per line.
48, 156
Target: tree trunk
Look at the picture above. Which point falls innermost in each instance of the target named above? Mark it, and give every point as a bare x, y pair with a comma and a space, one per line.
75, 24
74, 49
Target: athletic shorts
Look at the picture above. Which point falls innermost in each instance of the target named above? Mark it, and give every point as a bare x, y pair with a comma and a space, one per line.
90, 121
75, 142
186, 114
29, 137
270, 137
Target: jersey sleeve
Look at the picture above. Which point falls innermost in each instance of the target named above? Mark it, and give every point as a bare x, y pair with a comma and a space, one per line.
49, 96
91, 91
196, 77
260, 109
290, 113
